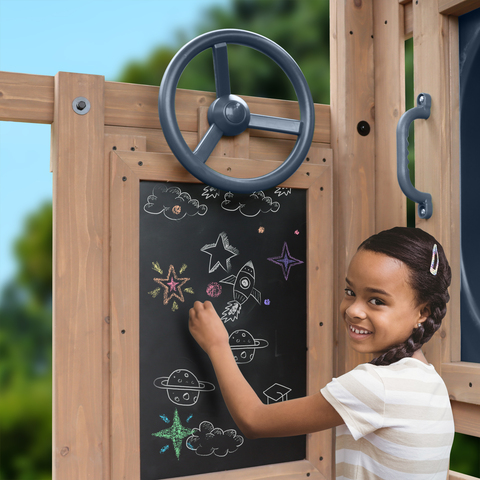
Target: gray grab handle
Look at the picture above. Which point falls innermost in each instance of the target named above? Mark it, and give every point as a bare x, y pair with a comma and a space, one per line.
424, 200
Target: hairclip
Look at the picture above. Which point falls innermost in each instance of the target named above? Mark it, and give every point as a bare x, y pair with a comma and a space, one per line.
433, 267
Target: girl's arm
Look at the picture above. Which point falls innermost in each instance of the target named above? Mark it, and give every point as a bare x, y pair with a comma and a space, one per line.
254, 418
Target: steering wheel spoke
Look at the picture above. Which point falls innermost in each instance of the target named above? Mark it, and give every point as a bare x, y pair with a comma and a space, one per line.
208, 143
275, 124
220, 67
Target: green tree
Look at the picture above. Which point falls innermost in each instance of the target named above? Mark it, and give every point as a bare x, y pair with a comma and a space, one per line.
26, 354
301, 28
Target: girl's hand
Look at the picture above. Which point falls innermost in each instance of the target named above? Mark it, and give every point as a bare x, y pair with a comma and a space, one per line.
206, 327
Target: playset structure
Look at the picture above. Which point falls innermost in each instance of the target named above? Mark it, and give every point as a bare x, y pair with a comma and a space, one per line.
107, 137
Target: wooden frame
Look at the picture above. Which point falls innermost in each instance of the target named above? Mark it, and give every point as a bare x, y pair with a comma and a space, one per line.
128, 169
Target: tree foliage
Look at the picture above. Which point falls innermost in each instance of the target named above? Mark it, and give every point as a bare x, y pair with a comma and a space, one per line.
301, 28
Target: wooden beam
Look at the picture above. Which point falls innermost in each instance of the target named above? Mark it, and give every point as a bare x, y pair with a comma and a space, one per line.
352, 101
78, 276
457, 7
26, 98
467, 418
29, 98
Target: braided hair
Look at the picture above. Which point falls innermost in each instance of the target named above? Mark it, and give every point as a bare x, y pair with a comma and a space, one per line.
415, 248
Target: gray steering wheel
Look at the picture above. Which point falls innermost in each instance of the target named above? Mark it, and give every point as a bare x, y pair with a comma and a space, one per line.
229, 114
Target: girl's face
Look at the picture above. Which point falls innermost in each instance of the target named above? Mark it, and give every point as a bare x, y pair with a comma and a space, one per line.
379, 307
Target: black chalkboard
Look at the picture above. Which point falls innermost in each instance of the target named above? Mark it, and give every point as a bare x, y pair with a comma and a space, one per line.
246, 254
469, 41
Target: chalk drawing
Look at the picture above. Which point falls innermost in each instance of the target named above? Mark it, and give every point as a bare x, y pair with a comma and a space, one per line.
176, 433
243, 346
277, 393
283, 191
171, 285
214, 290
173, 203
221, 253
182, 387
286, 261
207, 440
243, 288
249, 206
210, 192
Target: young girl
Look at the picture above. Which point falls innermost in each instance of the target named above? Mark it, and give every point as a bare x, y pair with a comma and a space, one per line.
393, 414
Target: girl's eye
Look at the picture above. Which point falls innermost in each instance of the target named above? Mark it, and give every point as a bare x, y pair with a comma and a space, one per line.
377, 302
349, 293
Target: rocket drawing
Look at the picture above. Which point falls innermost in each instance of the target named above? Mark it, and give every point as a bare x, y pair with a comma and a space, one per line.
243, 288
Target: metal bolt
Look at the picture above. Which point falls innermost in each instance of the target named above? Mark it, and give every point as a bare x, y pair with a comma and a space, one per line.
363, 128
421, 98
81, 105
423, 211
124, 179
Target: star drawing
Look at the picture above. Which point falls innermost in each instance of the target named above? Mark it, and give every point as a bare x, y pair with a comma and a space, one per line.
285, 260
220, 253
176, 433
172, 285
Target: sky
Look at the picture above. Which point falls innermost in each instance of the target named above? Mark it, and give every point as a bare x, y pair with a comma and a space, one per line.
43, 37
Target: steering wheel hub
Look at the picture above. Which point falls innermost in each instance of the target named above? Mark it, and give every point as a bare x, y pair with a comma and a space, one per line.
230, 113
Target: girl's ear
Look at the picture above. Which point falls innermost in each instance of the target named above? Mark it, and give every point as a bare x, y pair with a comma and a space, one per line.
425, 312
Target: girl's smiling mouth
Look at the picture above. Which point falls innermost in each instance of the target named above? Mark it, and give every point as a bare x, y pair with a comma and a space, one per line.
357, 332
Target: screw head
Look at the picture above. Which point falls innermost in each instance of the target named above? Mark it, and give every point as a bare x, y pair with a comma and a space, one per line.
363, 128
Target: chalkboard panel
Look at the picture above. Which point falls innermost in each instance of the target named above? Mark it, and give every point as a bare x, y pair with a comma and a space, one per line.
469, 40
247, 255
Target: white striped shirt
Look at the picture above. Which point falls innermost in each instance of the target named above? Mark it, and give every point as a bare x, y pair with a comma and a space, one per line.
398, 422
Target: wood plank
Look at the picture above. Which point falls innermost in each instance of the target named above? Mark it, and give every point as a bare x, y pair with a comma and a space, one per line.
352, 100
408, 20
463, 381
112, 143
460, 476
389, 50
467, 418
433, 154
172, 170
26, 98
284, 471
454, 318
457, 7
320, 309
125, 306
137, 106
258, 148
78, 309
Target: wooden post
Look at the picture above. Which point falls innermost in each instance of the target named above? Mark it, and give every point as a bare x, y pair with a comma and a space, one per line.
78, 276
389, 54
434, 139
352, 101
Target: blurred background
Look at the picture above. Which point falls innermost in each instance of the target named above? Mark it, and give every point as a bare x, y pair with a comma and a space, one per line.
127, 41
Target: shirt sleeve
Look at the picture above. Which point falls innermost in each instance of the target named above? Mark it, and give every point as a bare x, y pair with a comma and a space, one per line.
359, 398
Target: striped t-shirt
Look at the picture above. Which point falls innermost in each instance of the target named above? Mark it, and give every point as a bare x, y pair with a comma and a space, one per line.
398, 422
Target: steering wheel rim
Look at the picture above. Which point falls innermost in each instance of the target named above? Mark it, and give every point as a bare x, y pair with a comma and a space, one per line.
194, 161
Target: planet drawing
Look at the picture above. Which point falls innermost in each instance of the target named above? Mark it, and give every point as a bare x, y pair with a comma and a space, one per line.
243, 345
183, 388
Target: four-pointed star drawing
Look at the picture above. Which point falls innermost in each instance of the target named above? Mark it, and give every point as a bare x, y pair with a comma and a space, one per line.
176, 433
285, 260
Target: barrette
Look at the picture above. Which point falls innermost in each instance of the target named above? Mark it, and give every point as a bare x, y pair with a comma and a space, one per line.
433, 267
